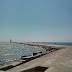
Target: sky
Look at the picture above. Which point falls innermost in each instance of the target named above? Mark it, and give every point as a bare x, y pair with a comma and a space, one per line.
36, 20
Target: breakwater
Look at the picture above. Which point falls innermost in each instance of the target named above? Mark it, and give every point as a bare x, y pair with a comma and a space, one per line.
25, 59
45, 46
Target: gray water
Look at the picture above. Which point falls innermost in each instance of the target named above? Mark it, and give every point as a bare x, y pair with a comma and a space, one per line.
57, 43
12, 51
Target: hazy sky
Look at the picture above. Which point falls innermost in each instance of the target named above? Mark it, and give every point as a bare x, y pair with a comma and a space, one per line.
36, 20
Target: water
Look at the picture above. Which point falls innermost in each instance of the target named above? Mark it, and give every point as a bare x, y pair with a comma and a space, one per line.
11, 51
57, 43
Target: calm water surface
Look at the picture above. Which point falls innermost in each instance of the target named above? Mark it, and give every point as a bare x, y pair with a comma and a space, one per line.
57, 43
12, 51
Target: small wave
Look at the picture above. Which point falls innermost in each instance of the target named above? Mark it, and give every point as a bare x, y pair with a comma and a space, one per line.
8, 54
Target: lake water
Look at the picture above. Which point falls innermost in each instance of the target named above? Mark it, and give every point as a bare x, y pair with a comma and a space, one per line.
57, 43
13, 51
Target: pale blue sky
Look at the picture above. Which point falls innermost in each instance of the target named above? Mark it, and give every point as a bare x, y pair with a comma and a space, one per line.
36, 20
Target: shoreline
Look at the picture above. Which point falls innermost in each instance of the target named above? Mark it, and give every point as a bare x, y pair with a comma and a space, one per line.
25, 59
41, 45
50, 49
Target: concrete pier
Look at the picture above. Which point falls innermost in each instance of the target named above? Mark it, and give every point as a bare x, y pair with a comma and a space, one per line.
57, 58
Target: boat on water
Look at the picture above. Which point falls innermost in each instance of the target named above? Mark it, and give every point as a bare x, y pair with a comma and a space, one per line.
10, 40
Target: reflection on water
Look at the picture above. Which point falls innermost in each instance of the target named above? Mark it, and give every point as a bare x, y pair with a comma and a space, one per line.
12, 51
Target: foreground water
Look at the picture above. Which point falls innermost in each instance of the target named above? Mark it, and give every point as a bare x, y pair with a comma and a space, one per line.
11, 51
